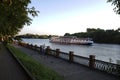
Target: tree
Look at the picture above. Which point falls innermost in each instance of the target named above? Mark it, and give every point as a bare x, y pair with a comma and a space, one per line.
100, 35
67, 34
14, 15
116, 3
118, 29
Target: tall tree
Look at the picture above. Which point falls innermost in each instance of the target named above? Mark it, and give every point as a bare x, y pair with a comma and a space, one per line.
116, 3
14, 15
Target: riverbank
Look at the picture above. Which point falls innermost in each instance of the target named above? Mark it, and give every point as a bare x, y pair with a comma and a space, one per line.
70, 71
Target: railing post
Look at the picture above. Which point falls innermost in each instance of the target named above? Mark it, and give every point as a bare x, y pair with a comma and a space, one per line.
26, 45
92, 61
57, 52
118, 67
47, 50
35, 47
40, 48
19, 43
71, 56
31, 46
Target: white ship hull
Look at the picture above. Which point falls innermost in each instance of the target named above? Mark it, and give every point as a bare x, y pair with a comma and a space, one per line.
71, 40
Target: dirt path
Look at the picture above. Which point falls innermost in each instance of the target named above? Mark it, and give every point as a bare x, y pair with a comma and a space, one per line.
70, 71
9, 68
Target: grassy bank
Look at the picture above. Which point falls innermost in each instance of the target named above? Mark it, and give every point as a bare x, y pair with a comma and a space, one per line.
40, 72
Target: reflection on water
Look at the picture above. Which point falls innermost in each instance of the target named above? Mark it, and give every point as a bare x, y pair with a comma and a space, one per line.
105, 52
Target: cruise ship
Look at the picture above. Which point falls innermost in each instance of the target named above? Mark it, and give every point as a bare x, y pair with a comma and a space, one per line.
71, 40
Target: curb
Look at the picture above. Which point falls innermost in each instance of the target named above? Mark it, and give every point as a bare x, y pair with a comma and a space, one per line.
20, 63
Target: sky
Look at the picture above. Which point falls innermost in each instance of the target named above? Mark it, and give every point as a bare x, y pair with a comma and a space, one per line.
58, 17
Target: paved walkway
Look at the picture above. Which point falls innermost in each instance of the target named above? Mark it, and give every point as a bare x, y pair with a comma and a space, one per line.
70, 71
9, 68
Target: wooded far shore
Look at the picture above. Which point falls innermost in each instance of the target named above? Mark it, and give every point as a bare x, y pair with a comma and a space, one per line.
98, 35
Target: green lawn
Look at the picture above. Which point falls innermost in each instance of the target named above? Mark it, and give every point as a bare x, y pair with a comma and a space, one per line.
40, 72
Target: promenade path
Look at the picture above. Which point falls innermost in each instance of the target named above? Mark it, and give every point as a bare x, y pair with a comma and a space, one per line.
70, 71
9, 68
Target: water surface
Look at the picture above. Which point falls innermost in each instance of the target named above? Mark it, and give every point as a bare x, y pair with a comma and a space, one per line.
103, 52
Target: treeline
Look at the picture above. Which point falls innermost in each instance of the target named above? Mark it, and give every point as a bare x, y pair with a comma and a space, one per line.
35, 36
100, 35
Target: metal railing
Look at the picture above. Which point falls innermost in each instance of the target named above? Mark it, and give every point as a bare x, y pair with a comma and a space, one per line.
89, 62
108, 67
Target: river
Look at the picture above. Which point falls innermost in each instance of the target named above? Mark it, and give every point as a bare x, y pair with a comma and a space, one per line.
104, 52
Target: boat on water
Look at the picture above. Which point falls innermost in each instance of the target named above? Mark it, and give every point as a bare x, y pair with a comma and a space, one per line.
71, 40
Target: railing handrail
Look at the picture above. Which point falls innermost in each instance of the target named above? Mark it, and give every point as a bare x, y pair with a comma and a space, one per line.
106, 62
90, 62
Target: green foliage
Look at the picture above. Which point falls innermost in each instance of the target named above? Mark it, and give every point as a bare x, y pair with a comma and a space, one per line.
100, 35
14, 15
67, 34
33, 36
116, 3
40, 72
